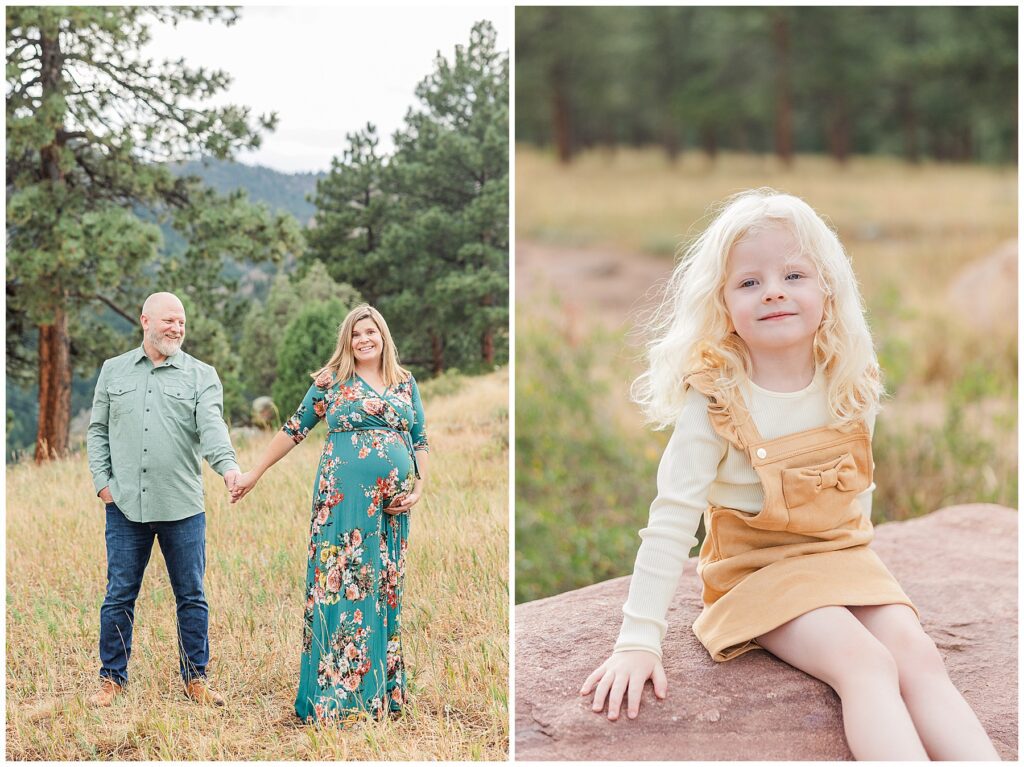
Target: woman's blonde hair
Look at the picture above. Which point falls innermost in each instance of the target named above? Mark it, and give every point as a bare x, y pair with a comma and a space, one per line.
342, 364
692, 331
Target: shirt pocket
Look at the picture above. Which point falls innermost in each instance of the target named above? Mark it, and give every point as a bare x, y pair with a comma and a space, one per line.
180, 403
121, 395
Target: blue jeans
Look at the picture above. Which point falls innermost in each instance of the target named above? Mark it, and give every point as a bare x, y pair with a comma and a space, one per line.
129, 544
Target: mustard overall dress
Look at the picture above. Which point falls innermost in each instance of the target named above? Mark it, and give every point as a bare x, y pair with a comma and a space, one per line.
806, 548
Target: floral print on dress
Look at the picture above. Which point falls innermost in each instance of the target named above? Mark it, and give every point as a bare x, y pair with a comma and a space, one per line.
352, 664
396, 672
392, 572
347, 658
342, 572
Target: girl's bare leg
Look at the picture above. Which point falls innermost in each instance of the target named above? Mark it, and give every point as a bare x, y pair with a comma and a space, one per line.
832, 645
948, 727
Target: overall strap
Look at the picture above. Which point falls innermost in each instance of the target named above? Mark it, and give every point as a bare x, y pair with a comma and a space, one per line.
729, 415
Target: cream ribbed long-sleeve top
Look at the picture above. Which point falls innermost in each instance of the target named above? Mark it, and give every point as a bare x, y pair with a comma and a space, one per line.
699, 468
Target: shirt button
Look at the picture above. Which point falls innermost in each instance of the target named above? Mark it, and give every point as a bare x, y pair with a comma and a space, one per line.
143, 471
143, 489
762, 453
147, 410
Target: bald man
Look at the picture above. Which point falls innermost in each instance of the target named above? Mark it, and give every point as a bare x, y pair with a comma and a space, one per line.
155, 413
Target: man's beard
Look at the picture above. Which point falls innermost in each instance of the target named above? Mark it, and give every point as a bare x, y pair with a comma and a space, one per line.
166, 346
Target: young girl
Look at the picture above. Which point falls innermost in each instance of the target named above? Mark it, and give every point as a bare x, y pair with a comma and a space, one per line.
764, 363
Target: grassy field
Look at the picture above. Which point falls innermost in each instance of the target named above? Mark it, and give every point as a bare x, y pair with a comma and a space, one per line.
585, 464
455, 614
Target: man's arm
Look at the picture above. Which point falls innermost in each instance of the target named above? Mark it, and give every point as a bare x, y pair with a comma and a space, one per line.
214, 441
98, 441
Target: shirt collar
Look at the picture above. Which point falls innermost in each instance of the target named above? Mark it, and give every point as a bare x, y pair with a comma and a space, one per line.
174, 360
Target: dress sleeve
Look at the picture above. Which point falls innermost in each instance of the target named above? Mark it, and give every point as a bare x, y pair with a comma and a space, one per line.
312, 409
688, 467
418, 429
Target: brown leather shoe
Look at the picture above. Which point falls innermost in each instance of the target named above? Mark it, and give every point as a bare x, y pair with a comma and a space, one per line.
199, 691
109, 689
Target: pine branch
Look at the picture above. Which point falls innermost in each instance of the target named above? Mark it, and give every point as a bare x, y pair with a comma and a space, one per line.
97, 297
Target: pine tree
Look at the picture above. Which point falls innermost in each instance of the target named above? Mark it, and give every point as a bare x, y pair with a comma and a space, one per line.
352, 210
450, 173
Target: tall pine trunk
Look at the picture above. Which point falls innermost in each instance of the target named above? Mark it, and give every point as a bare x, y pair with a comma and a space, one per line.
839, 130
487, 337
437, 353
783, 93
709, 141
908, 116
54, 343
54, 387
560, 113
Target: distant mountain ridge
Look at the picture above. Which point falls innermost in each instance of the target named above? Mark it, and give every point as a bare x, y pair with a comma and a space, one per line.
280, 191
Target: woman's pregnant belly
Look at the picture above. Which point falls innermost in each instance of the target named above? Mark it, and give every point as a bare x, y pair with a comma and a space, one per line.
374, 464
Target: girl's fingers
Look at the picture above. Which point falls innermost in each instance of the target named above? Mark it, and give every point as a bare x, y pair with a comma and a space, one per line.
615, 696
636, 689
660, 681
602, 691
593, 679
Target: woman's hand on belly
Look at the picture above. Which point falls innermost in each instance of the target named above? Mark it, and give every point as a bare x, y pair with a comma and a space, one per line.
403, 502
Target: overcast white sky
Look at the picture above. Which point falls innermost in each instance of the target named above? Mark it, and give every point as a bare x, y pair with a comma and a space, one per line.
326, 71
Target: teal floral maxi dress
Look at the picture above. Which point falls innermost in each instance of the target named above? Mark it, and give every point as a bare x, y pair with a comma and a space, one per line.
351, 642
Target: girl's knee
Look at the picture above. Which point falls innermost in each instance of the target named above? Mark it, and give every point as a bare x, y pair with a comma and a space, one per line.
865, 659
917, 656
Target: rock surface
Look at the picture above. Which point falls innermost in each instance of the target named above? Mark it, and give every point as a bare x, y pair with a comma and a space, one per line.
986, 290
959, 565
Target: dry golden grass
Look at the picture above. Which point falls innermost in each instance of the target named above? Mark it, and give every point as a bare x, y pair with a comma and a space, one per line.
455, 612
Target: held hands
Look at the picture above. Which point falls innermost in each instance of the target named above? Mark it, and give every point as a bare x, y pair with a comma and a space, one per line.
625, 673
242, 485
230, 477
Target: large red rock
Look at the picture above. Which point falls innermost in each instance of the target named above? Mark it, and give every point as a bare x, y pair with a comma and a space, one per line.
985, 290
958, 565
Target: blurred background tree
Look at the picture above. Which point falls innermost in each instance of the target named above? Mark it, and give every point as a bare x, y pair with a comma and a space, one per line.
921, 82
308, 342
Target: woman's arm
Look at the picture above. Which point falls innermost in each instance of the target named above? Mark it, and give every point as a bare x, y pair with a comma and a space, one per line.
418, 433
295, 429
278, 448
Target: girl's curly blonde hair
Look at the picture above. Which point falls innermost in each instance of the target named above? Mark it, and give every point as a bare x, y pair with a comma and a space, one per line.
691, 329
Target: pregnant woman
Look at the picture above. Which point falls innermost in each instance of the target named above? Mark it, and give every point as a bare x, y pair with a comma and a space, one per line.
371, 474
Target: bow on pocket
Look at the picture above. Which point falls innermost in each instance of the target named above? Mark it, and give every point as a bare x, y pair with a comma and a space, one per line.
802, 485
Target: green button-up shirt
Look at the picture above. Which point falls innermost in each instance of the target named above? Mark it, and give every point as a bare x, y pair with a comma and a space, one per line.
150, 425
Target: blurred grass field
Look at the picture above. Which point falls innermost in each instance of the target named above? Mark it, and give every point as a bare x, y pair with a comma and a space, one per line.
455, 611
585, 464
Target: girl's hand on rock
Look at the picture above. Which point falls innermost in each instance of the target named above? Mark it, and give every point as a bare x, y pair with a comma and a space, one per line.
625, 673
